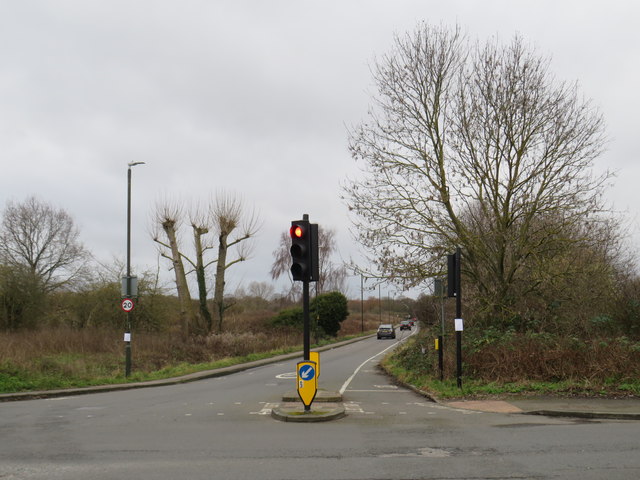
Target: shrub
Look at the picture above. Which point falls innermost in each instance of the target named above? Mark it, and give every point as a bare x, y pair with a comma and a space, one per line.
330, 310
289, 317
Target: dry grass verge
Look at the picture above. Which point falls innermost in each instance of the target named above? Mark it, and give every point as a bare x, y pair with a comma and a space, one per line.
61, 357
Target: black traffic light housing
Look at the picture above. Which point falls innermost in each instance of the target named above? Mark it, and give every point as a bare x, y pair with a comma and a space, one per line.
304, 250
453, 274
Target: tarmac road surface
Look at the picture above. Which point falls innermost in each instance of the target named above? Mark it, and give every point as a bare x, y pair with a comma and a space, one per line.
221, 428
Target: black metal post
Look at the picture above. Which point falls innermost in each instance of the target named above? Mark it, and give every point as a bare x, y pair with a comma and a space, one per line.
306, 319
307, 326
128, 293
459, 316
440, 291
441, 356
127, 344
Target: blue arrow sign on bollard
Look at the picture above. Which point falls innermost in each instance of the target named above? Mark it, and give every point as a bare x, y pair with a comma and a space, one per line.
307, 382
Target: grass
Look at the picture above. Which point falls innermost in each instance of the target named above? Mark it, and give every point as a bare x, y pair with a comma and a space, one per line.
473, 388
410, 366
67, 358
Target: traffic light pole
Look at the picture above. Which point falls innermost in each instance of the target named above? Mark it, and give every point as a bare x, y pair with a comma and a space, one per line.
306, 320
305, 268
454, 289
307, 327
458, 316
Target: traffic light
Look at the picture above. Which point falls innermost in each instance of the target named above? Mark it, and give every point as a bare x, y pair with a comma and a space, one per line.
304, 250
453, 274
314, 275
300, 249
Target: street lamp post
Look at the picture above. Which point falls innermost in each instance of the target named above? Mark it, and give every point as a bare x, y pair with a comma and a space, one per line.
128, 286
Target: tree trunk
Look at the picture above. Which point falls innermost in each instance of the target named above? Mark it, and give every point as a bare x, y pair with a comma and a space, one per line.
218, 296
187, 315
200, 275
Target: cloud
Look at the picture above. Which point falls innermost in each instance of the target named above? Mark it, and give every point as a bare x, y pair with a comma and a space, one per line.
254, 97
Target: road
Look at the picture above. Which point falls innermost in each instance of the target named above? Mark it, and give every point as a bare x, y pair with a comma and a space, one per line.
221, 429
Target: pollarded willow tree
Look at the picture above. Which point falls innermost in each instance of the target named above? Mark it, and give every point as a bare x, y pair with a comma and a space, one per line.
478, 146
226, 224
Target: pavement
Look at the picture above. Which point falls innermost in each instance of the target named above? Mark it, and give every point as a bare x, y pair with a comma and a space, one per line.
328, 405
574, 407
627, 408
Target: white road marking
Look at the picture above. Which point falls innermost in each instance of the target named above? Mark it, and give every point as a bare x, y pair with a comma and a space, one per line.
266, 410
346, 384
423, 452
350, 379
376, 391
355, 407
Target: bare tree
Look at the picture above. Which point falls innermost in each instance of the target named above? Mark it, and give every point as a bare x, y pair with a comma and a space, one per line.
263, 290
168, 217
201, 224
229, 216
282, 264
332, 275
222, 217
282, 258
477, 146
45, 241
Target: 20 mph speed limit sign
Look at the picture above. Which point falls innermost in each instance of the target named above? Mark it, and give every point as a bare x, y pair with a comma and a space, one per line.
127, 304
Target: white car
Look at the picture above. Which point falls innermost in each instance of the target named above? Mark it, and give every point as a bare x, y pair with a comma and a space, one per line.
386, 331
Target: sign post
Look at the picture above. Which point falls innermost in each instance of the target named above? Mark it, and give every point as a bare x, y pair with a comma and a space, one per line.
438, 290
129, 282
455, 290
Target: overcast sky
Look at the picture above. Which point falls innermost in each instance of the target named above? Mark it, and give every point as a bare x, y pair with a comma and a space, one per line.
254, 97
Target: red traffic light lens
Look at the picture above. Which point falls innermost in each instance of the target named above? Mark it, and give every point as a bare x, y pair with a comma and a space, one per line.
296, 231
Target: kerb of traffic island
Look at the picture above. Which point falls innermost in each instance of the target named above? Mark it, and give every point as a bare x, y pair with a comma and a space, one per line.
326, 406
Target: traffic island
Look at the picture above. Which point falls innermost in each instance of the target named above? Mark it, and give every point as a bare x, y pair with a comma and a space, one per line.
322, 396
295, 412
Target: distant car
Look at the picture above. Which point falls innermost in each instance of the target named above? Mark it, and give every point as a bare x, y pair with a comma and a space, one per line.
405, 325
386, 331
